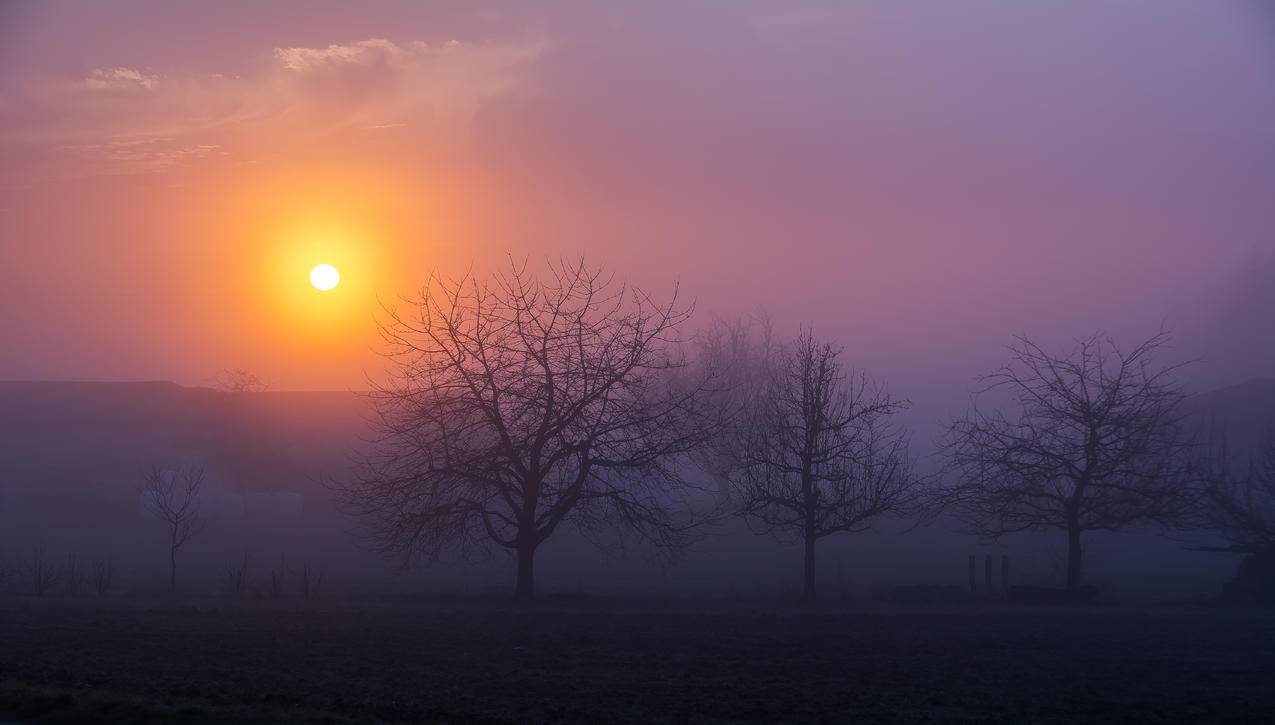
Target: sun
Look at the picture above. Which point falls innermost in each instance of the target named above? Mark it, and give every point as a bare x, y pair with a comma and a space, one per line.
324, 277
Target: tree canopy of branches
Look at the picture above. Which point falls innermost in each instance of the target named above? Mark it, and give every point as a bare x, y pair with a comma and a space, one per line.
172, 496
519, 404
738, 354
1241, 506
1096, 444
238, 380
818, 453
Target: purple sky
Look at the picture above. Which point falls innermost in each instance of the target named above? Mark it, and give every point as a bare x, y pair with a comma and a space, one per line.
916, 180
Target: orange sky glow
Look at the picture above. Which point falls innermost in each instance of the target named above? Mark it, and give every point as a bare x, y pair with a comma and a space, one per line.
916, 182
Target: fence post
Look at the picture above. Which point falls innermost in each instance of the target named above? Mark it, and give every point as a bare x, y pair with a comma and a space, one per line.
987, 573
973, 576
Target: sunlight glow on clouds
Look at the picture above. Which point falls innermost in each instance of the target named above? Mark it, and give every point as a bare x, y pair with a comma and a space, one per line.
364, 52
139, 155
119, 120
119, 79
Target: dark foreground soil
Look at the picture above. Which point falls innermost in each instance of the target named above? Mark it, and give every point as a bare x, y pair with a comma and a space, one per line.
609, 664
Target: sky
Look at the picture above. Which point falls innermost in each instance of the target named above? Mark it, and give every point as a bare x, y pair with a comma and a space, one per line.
915, 180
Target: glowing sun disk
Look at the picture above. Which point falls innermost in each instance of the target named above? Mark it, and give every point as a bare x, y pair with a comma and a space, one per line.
324, 277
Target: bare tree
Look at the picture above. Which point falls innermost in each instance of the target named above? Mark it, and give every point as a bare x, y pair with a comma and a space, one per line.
278, 577
1238, 502
172, 496
103, 576
522, 403
819, 454
1096, 444
39, 574
311, 581
739, 354
239, 380
236, 576
1241, 505
73, 574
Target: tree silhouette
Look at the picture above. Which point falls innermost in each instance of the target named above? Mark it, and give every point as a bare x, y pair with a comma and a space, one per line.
818, 454
172, 496
1096, 445
239, 380
739, 354
520, 404
1239, 503
1241, 506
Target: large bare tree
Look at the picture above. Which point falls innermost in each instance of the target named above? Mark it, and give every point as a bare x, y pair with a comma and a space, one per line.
522, 403
818, 454
172, 496
1095, 442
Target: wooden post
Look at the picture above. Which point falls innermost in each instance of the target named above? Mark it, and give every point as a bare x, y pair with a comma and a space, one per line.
973, 576
1005, 572
987, 573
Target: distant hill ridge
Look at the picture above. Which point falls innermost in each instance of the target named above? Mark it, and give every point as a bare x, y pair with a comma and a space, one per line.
89, 442
42, 402
1242, 412
1246, 405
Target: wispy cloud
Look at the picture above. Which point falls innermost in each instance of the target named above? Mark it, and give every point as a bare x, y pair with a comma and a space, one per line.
116, 119
364, 52
119, 79
378, 76
124, 156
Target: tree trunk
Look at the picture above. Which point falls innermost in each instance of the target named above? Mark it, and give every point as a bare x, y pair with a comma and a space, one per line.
808, 580
172, 571
1073, 558
526, 587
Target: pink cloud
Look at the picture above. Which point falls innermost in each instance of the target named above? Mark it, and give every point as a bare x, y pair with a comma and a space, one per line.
119, 79
364, 52
122, 120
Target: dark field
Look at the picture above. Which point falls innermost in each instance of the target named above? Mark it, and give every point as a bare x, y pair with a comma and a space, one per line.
611, 663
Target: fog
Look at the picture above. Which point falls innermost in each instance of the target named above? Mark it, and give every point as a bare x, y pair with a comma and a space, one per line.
672, 362
75, 456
